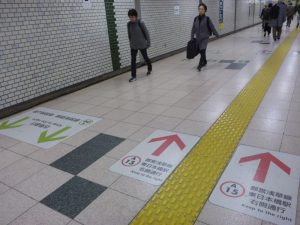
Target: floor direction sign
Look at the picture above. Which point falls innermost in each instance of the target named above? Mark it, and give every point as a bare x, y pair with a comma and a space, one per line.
260, 183
154, 159
45, 127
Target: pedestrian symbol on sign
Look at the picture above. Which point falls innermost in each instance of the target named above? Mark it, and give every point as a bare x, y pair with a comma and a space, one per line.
232, 189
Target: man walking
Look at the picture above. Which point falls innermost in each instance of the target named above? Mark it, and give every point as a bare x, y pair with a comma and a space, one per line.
278, 17
139, 40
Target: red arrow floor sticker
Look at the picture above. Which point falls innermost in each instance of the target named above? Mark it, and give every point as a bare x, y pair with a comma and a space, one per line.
260, 183
168, 141
154, 159
264, 164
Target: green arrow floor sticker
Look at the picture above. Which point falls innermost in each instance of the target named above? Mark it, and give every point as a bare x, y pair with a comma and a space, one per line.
6, 125
52, 137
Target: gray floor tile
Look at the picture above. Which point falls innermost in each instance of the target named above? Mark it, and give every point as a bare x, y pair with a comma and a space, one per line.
3, 188
111, 208
7, 158
41, 215
86, 154
12, 205
74, 196
20, 171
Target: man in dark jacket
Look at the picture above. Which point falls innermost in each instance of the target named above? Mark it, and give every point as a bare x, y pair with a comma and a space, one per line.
265, 16
290, 14
278, 17
139, 40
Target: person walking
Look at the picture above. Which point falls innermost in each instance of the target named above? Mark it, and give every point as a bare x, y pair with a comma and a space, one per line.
266, 17
278, 17
262, 16
139, 39
202, 29
290, 14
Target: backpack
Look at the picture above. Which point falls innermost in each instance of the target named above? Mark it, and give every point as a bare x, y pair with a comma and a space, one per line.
274, 12
139, 24
267, 14
208, 27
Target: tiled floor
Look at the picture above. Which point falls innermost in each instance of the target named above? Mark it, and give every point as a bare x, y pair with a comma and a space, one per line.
71, 183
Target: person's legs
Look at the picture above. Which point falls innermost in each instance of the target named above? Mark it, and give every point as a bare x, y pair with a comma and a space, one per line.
274, 33
279, 29
133, 64
204, 57
147, 60
289, 20
265, 29
268, 30
203, 60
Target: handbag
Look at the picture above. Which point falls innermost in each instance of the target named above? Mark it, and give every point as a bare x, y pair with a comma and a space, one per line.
191, 50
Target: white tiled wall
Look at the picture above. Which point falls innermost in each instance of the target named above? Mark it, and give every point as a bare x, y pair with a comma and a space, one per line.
244, 13
47, 45
229, 11
213, 11
258, 7
168, 31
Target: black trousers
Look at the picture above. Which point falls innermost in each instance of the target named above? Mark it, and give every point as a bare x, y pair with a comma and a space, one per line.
289, 20
133, 60
277, 32
203, 57
267, 28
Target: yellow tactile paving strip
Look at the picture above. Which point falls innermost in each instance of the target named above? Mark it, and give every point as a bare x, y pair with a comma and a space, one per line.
183, 195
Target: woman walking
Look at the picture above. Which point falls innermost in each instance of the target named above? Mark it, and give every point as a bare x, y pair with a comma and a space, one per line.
202, 29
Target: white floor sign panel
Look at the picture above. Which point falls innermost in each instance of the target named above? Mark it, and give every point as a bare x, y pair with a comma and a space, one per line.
260, 183
45, 127
156, 157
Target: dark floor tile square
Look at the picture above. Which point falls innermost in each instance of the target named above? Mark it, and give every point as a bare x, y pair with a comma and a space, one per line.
74, 196
243, 61
86, 154
236, 66
227, 61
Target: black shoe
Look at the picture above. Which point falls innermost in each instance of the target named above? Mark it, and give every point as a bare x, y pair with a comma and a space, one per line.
264, 34
204, 64
199, 68
149, 72
132, 79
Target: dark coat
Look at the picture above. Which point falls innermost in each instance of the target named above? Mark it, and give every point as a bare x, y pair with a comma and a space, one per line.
201, 30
